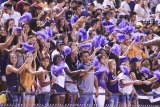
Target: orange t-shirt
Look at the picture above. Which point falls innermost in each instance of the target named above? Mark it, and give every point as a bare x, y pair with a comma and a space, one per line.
135, 52
27, 80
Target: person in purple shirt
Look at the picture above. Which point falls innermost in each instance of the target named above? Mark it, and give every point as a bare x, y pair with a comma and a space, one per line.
77, 13
112, 84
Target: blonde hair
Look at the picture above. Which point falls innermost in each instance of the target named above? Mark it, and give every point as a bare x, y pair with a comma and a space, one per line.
109, 62
79, 23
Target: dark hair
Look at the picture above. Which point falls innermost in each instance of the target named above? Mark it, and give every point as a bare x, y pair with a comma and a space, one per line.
9, 58
132, 13
8, 5
55, 58
7, 25
99, 57
94, 21
60, 1
83, 52
75, 8
147, 59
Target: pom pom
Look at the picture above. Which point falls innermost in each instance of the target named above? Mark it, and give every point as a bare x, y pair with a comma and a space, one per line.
136, 37
66, 50
27, 47
122, 59
157, 75
158, 56
102, 70
124, 70
103, 41
83, 33
121, 37
130, 29
25, 17
18, 29
49, 31
96, 63
57, 69
145, 70
122, 24
115, 49
135, 59
96, 41
42, 34
86, 46
110, 28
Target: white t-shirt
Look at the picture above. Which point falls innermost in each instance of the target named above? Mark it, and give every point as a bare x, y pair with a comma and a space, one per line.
148, 11
108, 2
139, 10
60, 79
48, 87
98, 5
113, 21
157, 11
126, 89
16, 16
124, 6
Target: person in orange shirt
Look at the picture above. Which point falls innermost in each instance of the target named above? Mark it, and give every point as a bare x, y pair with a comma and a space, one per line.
136, 51
27, 81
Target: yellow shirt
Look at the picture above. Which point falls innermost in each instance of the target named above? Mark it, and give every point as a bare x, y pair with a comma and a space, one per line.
27, 80
135, 52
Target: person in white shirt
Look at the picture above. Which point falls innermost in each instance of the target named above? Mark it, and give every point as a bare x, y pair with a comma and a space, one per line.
113, 20
147, 9
141, 15
99, 4
9, 13
124, 8
157, 11
59, 48
126, 85
109, 2
44, 82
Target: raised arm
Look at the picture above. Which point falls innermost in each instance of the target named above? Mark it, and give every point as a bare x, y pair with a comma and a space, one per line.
10, 68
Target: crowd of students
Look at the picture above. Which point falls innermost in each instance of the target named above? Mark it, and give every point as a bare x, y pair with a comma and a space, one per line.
104, 52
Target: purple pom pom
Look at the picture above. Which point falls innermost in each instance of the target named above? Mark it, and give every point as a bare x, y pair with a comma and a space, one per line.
116, 49
86, 46
66, 50
25, 17
102, 70
96, 41
27, 47
96, 63
103, 41
43, 35
57, 69
49, 31
157, 74
158, 55
19, 29
121, 37
136, 37
124, 70
122, 59
83, 33
145, 70
110, 28
122, 24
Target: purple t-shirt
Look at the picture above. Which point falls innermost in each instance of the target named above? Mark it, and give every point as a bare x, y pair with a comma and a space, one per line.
112, 88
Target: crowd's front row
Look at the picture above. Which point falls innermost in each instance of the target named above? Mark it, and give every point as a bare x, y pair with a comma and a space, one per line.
120, 80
